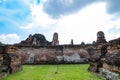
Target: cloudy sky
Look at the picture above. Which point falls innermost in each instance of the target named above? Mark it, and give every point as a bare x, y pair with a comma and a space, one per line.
79, 20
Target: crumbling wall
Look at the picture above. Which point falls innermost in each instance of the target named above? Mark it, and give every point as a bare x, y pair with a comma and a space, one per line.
52, 54
10, 61
105, 57
106, 62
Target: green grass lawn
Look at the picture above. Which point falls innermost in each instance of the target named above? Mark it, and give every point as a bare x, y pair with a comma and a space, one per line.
47, 72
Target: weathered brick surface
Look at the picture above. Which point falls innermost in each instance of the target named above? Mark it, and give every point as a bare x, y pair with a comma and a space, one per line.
51, 54
10, 61
108, 60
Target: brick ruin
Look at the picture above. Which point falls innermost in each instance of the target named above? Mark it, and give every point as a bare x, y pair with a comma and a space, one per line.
10, 61
39, 40
52, 54
100, 38
105, 58
102, 56
37, 50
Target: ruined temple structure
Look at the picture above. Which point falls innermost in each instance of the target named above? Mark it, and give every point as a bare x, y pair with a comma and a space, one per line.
106, 61
105, 58
10, 61
29, 39
37, 50
39, 40
36, 39
100, 38
55, 40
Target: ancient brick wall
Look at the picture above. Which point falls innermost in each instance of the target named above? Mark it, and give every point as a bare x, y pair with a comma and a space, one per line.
52, 54
10, 61
107, 64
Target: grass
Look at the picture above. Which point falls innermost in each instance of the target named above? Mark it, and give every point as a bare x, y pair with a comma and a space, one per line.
47, 72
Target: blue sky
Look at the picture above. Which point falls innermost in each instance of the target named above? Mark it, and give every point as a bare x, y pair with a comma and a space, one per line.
79, 20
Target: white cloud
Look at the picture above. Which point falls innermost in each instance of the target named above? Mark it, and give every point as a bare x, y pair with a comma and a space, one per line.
80, 26
114, 30
39, 18
9, 38
84, 25
27, 27
40, 22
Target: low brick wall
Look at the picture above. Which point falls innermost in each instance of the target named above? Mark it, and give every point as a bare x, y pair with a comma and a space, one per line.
52, 54
10, 61
107, 64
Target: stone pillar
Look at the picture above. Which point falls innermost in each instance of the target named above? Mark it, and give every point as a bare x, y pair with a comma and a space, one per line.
55, 40
72, 42
100, 37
